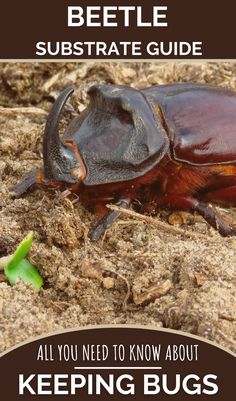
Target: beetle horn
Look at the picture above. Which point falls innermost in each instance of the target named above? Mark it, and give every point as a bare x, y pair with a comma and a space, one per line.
60, 161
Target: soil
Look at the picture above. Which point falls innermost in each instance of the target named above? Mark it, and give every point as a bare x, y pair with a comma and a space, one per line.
137, 273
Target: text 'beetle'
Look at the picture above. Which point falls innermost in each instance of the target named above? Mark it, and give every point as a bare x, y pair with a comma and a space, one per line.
173, 145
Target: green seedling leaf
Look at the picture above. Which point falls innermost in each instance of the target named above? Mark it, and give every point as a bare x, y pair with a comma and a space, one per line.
22, 250
16, 266
25, 271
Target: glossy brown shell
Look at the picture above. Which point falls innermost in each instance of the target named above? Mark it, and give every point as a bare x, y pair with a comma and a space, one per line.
200, 121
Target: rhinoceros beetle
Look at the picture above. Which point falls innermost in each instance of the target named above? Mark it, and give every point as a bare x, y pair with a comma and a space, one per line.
174, 145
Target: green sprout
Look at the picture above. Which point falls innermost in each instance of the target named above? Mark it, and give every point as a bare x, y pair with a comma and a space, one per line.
16, 266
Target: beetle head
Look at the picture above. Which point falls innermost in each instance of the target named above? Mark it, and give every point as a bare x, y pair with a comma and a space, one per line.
61, 160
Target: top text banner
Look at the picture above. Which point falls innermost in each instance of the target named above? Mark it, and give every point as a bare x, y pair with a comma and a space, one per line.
117, 29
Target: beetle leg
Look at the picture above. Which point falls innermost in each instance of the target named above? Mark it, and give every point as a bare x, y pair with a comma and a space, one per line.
27, 183
214, 219
96, 232
194, 205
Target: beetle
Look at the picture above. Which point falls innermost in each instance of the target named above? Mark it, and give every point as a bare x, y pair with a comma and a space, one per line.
174, 145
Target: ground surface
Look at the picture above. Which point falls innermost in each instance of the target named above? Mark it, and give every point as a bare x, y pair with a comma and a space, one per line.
171, 280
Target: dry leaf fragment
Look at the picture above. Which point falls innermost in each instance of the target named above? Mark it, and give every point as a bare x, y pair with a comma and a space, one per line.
150, 294
90, 269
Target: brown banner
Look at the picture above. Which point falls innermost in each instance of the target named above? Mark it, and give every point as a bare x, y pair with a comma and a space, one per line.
112, 29
118, 363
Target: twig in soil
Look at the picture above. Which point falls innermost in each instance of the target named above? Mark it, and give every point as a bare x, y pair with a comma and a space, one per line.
51, 81
157, 223
22, 110
65, 193
60, 305
75, 200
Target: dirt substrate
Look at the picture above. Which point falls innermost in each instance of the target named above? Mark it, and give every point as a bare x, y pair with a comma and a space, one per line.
137, 273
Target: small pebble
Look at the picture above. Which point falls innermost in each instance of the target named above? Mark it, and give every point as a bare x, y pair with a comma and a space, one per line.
108, 283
